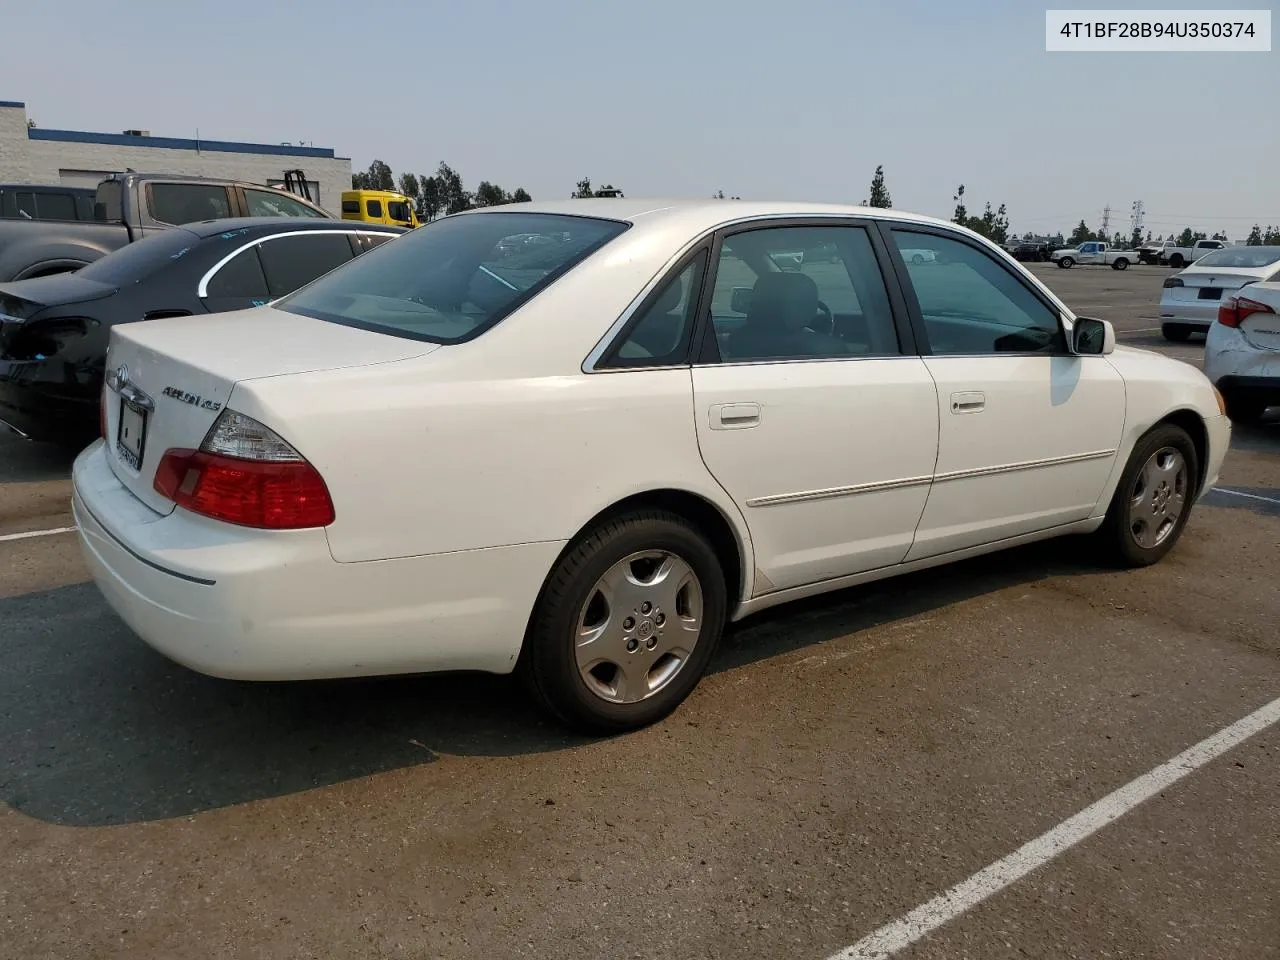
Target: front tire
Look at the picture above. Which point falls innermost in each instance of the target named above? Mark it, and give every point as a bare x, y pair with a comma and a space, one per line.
1065, 263
1153, 499
626, 623
1176, 332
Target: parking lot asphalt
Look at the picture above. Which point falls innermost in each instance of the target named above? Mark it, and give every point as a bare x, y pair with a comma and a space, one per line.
847, 759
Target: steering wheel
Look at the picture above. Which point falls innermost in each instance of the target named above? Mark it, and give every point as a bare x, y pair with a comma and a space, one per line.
823, 311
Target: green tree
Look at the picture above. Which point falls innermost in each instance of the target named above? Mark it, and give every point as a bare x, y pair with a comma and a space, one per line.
1186, 238
879, 192
1272, 237
409, 186
961, 215
31, 124
490, 195
582, 190
1255, 236
429, 202
453, 198
1219, 235
1136, 239
1081, 234
521, 196
377, 177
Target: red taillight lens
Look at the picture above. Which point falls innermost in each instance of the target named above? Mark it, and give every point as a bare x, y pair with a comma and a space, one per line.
251, 493
1233, 311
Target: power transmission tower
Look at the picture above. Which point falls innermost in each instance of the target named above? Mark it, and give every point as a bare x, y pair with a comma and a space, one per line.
1135, 217
1106, 221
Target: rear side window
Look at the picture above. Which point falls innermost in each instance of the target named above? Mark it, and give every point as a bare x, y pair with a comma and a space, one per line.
350, 206
138, 260
373, 207
292, 262
276, 203
27, 205
367, 241
188, 202
56, 206
453, 279
107, 203
240, 278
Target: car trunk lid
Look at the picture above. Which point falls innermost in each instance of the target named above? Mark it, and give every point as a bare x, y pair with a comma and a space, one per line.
1262, 329
1211, 286
24, 299
167, 380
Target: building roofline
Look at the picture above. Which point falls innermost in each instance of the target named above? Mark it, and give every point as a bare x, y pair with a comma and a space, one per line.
178, 143
13, 103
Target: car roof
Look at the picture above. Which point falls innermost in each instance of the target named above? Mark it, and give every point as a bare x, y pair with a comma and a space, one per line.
209, 228
699, 214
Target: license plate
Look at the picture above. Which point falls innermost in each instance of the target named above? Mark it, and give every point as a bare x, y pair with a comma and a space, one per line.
1210, 293
131, 435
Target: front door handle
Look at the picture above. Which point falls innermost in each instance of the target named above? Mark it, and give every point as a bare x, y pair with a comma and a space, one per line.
972, 401
734, 416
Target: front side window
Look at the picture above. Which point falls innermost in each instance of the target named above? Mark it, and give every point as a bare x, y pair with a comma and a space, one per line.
57, 206
179, 203
661, 332
788, 293
454, 278
973, 305
398, 210
292, 262
276, 203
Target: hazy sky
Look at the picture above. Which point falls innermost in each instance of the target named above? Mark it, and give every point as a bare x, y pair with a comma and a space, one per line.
776, 100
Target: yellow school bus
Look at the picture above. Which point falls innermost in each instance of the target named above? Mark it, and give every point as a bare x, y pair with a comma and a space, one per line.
379, 206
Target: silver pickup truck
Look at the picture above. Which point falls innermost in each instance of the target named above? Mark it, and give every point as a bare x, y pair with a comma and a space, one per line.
130, 206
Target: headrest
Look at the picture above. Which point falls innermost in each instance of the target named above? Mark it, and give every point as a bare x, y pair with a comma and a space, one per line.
785, 300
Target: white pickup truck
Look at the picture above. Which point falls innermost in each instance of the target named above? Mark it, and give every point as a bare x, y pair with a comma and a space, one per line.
1093, 252
1175, 256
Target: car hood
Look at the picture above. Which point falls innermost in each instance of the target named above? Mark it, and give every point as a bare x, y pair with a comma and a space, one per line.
24, 298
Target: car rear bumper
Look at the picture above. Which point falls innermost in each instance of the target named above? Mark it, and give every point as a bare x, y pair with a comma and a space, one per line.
1233, 364
40, 410
1198, 314
274, 605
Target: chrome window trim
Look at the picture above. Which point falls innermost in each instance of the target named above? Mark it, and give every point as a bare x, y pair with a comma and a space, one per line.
202, 289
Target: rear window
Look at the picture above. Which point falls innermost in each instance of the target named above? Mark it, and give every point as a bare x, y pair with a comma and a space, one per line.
453, 279
107, 203
135, 261
1241, 257
350, 206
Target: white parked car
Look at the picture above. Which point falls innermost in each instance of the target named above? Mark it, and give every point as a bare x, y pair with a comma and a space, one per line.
1190, 299
1094, 253
1242, 350
578, 461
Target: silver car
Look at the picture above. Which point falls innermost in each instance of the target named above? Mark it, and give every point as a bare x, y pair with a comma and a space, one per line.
1192, 296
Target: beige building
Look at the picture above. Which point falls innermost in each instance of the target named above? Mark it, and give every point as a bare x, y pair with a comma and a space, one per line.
77, 158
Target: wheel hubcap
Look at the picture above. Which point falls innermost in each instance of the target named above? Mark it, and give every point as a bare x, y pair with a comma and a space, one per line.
639, 626
1158, 496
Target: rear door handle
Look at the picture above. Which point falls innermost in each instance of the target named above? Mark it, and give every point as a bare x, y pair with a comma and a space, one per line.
734, 416
972, 401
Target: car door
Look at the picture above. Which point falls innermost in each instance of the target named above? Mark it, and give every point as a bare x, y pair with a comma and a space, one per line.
1089, 253
1028, 430
813, 410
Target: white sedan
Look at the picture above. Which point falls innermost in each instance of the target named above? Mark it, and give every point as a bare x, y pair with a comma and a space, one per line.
577, 461
1242, 350
1191, 298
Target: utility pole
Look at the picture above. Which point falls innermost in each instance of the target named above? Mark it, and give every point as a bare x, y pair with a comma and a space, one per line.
1106, 223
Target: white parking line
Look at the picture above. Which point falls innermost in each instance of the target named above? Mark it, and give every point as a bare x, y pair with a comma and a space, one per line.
1120, 333
35, 533
1251, 496
945, 907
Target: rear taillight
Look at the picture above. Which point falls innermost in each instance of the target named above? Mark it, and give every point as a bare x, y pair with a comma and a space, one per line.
1172, 282
1233, 311
246, 474
102, 413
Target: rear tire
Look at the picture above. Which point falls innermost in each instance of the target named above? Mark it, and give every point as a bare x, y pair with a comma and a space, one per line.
1152, 500
1121, 264
1176, 332
1065, 263
603, 667
1176, 261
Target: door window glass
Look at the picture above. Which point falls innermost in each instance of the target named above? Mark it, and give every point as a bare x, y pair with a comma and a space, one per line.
240, 278
276, 203
972, 304
785, 293
293, 262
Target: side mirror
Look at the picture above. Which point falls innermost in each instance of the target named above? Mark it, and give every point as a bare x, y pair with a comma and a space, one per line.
740, 300
1090, 337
